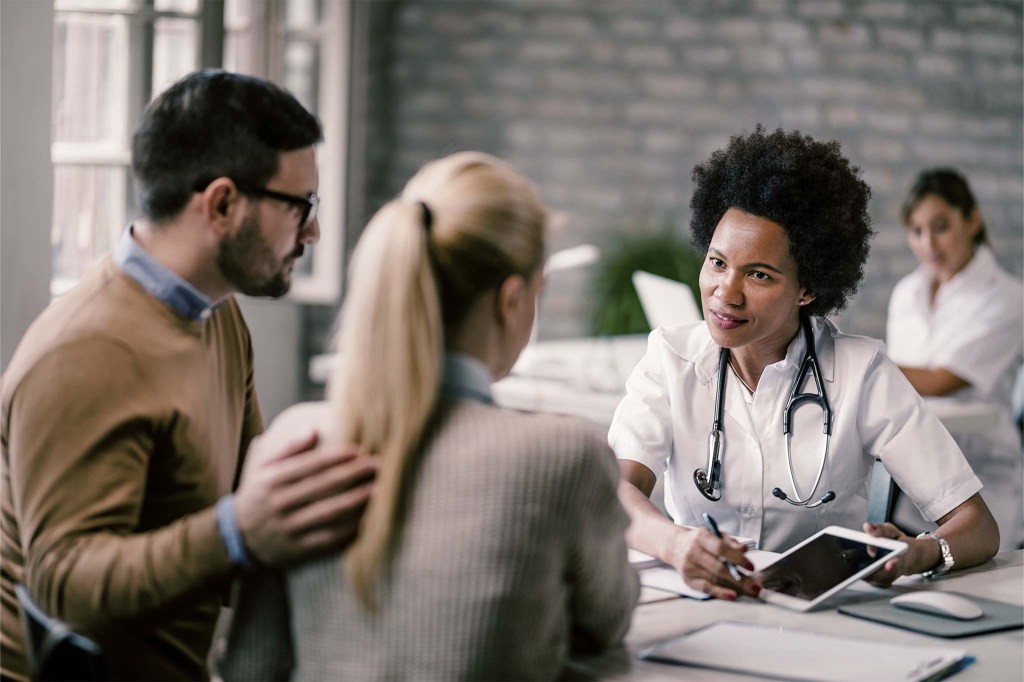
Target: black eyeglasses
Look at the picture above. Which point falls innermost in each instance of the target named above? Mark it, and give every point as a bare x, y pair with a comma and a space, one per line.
307, 204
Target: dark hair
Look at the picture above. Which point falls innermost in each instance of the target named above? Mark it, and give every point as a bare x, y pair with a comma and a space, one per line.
213, 124
809, 189
948, 185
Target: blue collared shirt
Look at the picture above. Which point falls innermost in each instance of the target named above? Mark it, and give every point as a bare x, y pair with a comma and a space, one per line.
466, 377
187, 301
162, 284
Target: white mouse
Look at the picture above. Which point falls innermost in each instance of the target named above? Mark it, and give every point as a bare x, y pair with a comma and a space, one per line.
939, 604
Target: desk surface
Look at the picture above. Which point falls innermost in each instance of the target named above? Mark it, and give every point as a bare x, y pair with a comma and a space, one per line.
1000, 656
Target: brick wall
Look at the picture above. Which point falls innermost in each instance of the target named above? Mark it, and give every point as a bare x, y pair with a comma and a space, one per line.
608, 105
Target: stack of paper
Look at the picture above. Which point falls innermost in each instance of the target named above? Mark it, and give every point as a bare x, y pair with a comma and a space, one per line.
772, 651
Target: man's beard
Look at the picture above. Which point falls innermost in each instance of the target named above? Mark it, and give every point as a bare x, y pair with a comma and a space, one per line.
248, 262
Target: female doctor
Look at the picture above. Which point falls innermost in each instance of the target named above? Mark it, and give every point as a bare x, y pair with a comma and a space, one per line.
783, 220
955, 329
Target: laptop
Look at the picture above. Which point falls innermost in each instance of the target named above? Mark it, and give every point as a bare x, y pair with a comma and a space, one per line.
666, 302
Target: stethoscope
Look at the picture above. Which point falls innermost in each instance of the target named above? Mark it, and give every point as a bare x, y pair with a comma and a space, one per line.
709, 480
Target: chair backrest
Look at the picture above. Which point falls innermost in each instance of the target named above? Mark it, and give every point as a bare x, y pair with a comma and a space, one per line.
55, 653
881, 494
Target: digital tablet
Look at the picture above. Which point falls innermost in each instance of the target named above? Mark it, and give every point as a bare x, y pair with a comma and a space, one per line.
822, 565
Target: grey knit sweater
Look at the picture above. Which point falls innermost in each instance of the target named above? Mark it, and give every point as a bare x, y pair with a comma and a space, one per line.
511, 561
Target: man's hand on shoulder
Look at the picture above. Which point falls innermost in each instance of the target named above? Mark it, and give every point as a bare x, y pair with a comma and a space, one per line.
298, 498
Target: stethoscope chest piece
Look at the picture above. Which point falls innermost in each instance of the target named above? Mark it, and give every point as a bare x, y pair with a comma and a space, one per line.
709, 481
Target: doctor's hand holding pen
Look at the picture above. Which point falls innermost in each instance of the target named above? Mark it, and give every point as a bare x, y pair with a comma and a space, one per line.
712, 563
699, 554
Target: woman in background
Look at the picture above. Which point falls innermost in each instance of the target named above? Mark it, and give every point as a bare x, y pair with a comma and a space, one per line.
956, 328
493, 545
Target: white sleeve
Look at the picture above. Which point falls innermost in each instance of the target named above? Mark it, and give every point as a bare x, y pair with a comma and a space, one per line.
985, 347
898, 427
641, 429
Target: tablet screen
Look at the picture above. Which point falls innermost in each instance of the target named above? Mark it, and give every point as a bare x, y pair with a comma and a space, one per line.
817, 567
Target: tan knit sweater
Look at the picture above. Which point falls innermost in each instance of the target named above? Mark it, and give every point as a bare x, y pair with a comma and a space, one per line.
121, 425
511, 560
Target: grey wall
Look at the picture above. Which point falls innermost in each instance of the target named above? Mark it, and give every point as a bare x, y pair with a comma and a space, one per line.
26, 177
609, 104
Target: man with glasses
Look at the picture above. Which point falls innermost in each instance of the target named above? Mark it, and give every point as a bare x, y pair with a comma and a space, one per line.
129, 404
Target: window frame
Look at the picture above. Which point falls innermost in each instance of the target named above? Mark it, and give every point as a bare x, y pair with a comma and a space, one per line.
323, 284
141, 19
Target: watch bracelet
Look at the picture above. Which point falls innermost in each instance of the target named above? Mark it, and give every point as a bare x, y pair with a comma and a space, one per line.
945, 557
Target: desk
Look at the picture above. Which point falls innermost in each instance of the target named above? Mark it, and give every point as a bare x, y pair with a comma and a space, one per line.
1000, 655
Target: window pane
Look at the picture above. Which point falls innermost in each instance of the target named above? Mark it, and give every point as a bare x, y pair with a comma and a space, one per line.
303, 13
90, 77
302, 72
174, 51
88, 215
244, 44
189, 6
237, 15
107, 5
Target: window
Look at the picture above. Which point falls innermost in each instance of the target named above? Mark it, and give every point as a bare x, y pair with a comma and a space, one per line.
112, 56
303, 45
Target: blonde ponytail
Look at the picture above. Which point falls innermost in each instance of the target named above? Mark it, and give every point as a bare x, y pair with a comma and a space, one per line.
462, 225
387, 381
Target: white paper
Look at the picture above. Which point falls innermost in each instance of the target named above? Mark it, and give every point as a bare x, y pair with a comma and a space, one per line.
668, 579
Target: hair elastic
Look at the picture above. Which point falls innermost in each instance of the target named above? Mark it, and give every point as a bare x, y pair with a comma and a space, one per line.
428, 217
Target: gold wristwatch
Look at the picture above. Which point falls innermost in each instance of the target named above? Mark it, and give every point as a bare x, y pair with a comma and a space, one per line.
947, 557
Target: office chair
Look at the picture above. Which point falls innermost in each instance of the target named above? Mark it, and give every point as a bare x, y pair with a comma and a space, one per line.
54, 652
882, 493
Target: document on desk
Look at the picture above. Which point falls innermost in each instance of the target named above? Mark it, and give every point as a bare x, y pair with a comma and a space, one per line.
774, 651
660, 576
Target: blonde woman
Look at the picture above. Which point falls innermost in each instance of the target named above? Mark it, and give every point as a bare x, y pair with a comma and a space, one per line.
493, 545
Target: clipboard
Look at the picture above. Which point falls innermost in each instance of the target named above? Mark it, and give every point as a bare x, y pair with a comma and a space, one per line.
773, 651
997, 616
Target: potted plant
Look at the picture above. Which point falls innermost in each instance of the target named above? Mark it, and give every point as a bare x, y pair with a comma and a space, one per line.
661, 251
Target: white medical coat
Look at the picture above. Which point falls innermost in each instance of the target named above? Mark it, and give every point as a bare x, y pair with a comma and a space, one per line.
664, 421
974, 329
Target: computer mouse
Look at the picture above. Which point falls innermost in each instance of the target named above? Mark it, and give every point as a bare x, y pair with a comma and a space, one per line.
939, 604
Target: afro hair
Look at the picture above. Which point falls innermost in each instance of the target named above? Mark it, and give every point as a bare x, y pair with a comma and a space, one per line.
805, 186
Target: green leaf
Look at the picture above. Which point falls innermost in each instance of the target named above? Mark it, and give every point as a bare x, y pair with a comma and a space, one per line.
663, 252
